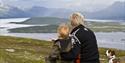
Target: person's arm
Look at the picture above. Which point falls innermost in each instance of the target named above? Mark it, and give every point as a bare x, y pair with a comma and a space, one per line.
55, 51
73, 53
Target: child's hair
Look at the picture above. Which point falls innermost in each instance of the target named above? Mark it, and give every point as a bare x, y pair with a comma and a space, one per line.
63, 31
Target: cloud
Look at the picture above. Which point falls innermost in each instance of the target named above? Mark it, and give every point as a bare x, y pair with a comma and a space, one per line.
69, 4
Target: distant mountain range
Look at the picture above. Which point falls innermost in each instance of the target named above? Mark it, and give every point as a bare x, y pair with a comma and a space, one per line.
115, 11
13, 12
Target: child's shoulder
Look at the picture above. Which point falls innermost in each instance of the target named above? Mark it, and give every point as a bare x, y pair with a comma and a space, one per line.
60, 39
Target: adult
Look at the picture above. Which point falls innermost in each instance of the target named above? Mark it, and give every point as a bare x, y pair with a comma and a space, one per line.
89, 49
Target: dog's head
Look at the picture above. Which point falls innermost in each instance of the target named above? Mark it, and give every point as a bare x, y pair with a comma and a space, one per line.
110, 54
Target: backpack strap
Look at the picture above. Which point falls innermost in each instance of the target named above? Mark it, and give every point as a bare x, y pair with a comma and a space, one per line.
77, 60
74, 35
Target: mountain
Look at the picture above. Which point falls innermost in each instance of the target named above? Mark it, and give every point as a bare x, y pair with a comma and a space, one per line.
13, 12
62, 13
37, 11
3, 9
49, 12
115, 11
43, 20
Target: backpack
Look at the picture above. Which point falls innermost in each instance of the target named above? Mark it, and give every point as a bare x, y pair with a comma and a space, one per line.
74, 49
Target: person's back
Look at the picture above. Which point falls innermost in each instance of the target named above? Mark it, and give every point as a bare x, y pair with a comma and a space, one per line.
89, 50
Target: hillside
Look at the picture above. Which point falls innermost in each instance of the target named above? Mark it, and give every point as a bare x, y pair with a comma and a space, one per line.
22, 50
25, 50
35, 29
43, 20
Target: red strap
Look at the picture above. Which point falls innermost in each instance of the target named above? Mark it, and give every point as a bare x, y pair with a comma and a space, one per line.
78, 59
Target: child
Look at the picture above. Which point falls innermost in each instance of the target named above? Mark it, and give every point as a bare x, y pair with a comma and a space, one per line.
62, 47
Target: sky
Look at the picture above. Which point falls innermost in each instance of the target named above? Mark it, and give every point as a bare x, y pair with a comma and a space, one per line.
82, 5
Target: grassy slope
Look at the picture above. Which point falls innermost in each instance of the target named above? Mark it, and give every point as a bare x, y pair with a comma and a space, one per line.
26, 50
31, 50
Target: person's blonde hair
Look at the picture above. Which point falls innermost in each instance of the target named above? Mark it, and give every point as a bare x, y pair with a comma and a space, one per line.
63, 31
78, 17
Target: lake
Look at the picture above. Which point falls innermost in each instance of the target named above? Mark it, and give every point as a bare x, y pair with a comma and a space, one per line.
104, 39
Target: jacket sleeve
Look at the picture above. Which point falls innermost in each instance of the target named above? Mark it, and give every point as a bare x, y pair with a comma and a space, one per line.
55, 51
72, 54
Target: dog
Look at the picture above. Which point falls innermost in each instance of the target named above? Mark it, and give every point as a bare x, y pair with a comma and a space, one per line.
112, 56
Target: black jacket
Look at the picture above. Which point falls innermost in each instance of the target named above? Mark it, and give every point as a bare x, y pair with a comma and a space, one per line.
89, 50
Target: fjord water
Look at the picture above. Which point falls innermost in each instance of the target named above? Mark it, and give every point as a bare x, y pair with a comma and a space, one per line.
105, 39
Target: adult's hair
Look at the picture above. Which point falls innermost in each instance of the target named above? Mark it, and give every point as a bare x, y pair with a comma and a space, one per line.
63, 30
78, 17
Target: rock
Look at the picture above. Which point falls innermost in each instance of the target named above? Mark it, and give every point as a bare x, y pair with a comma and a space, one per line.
10, 50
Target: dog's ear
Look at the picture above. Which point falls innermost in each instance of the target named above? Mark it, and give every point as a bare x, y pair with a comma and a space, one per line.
109, 50
107, 53
112, 52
